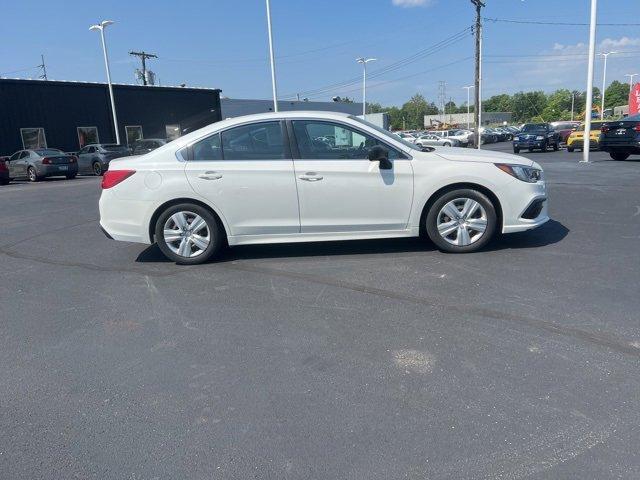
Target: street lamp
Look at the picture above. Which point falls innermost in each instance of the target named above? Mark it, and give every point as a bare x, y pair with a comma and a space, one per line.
101, 26
364, 62
573, 102
273, 61
468, 88
604, 80
630, 75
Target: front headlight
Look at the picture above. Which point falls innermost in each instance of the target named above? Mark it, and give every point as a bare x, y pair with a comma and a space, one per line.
521, 172
539, 137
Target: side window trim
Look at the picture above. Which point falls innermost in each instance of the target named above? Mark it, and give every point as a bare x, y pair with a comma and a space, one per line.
400, 153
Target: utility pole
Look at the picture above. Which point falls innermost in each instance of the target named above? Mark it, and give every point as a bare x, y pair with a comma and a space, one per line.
143, 56
592, 56
442, 94
573, 102
477, 113
43, 67
630, 75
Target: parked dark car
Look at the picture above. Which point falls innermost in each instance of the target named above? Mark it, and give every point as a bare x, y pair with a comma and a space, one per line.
39, 163
621, 138
146, 145
4, 171
95, 158
536, 136
564, 129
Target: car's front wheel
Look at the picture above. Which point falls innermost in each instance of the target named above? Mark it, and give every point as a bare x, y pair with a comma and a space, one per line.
188, 234
97, 168
32, 175
461, 221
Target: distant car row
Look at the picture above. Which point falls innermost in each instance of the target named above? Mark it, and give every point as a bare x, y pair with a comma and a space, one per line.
36, 164
458, 137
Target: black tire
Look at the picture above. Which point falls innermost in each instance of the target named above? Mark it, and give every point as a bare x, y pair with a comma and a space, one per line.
446, 144
32, 175
544, 147
619, 155
97, 169
71, 176
516, 150
216, 234
5, 181
431, 220
570, 149
556, 147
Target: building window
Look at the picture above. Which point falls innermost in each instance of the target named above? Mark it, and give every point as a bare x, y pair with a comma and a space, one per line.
87, 136
33, 138
134, 132
172, 132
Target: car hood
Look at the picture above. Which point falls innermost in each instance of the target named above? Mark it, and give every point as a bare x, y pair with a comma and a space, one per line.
485, 156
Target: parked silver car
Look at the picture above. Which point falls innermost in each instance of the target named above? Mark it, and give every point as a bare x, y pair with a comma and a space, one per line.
40, 163
95, 158
431, 140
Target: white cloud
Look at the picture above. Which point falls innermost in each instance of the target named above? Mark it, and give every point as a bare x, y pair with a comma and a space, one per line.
412, 3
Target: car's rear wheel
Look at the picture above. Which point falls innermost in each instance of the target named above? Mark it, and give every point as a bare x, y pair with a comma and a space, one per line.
556, 146
516, 150
71, 176
97, 168
570, 149
461, 221
619, 155
188, 234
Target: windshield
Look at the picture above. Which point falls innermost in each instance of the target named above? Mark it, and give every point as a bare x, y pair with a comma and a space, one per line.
114, 148
534, 127
386, 133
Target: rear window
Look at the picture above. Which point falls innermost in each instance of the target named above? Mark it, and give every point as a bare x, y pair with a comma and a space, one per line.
633, 118
48, 151
114, 148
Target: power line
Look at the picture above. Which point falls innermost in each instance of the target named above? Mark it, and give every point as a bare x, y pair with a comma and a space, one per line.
534, 22
143, 56
389, 68
19, 71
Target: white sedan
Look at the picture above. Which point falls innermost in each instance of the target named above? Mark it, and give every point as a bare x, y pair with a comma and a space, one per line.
267, 179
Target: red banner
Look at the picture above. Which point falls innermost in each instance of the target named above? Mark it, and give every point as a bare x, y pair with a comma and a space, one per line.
634, 100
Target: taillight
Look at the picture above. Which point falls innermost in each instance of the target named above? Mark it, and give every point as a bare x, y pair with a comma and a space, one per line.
46, 161
3, 166
637, 127
604, 129
112, 178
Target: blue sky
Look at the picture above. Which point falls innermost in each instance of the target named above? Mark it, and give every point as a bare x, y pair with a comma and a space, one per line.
223, 44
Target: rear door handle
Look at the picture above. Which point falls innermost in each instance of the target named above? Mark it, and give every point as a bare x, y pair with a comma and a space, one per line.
310, 177
210, 176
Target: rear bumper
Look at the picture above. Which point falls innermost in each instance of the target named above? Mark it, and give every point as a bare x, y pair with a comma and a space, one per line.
610, 145
125, 220
57, 170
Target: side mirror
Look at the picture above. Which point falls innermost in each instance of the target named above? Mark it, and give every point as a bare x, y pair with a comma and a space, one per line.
380, 154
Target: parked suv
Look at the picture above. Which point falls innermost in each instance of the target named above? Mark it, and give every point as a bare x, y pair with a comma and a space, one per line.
42, 162
621, 138
95, 158
536, 135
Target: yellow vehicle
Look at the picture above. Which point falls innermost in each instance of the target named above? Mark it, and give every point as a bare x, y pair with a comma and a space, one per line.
576, 138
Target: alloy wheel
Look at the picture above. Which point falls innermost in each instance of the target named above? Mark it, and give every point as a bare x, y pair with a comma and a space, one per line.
186, 234
462, 221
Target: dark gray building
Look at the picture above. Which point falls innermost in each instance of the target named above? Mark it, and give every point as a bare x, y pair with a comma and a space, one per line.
236, 107
68, 115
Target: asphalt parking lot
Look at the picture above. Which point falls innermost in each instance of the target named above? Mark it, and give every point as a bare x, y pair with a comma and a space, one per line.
353, 360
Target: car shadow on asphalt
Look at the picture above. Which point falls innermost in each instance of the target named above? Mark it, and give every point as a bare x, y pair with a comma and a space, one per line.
550, 233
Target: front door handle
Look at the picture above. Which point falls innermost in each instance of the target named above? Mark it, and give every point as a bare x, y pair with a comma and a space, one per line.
210, 176
310, 177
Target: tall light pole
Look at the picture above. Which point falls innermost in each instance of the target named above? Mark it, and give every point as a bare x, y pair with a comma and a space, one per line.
604, 81
101, 26
468, 88
630, 75
364, 62
592, 55
573, 103
273, 61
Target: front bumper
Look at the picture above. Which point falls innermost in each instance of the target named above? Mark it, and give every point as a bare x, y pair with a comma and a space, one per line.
524, 207
57, 170
529, 143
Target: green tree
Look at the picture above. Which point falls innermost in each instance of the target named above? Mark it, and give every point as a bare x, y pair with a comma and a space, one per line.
498, 103
415, 109
616, 94
527, 105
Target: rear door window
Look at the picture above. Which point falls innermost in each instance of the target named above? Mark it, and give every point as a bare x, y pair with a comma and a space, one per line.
257, 141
